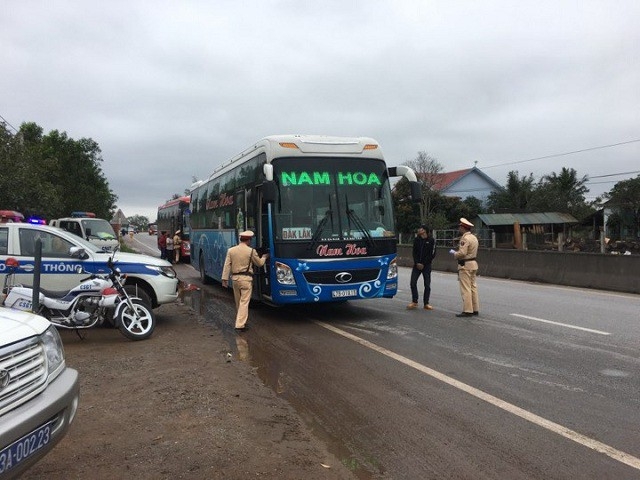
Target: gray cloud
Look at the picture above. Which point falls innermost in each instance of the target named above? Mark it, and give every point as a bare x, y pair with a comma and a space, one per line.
172, 89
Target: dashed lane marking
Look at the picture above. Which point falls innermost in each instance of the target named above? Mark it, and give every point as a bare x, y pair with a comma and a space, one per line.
590, 330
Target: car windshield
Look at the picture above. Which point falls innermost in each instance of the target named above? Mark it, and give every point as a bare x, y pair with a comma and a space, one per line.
98, 228
81, 242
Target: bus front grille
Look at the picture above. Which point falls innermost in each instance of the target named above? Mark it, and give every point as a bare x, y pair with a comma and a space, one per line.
342, 277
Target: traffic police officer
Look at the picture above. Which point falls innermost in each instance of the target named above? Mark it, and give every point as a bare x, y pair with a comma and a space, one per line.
239, 265
467, 269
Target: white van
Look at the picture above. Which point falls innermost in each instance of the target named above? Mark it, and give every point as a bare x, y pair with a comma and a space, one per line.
96, 230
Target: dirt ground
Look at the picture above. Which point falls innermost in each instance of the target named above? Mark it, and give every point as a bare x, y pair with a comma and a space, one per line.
176, 407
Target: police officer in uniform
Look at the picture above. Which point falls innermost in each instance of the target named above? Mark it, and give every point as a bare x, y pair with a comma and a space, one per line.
239, 265
467, 269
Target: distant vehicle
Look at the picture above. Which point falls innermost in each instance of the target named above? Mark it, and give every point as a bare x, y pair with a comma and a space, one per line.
8, 216
153, 229
150, 278
38, 394
85, 225
174, 216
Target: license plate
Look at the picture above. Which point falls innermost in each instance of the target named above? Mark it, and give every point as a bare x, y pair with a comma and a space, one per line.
344, 293
22, 449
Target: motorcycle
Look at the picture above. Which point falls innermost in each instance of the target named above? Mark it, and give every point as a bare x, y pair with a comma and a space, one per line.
98, 299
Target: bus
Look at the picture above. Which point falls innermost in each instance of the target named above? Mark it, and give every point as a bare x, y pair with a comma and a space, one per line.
174, 216
321, 206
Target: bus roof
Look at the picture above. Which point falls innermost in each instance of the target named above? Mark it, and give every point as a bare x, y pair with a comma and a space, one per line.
303, 145
175, 201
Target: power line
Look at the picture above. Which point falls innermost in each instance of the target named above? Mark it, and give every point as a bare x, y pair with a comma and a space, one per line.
563, 154
615, 174
7, 123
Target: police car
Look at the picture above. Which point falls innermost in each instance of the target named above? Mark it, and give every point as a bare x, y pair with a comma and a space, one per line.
152, 279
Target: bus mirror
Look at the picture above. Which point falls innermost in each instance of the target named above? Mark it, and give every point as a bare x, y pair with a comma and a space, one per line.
269, 192
416, 191
267, 169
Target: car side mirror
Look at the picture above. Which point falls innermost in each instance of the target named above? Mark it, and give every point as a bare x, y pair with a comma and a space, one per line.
78, 252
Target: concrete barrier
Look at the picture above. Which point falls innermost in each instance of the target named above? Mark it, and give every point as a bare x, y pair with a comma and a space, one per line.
619, 273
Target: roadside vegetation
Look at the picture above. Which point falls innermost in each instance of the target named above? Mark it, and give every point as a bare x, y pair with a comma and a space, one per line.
52, 175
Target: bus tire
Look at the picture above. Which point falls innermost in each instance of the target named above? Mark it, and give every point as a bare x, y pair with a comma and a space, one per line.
203, 276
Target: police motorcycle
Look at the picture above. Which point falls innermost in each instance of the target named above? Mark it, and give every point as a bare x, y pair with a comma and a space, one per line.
98, 299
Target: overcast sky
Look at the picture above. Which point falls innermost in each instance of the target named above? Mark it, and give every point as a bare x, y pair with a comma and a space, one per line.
171, 89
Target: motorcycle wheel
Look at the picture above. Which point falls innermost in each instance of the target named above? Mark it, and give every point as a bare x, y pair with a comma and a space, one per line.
138, 325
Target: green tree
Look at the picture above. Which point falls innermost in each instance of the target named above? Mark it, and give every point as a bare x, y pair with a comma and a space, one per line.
52, 175
139, 221
515, 196
25, 183
562, 192
624, 198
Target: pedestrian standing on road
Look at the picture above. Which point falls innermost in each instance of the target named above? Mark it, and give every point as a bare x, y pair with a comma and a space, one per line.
467, 269
162, 244
177, 242
239, 266
170, 248
424, 250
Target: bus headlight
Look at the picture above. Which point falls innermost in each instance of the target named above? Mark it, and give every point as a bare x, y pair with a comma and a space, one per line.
393, 269
284, 275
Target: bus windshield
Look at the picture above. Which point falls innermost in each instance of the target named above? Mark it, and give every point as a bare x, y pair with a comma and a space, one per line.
324, 199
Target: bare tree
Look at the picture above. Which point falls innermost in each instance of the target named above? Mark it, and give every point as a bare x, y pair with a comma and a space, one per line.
428, 170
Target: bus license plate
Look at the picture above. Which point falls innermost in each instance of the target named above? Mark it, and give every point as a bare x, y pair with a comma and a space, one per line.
344, 293
22, 449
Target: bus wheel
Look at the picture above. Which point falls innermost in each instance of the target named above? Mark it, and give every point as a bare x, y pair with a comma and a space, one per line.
203, 277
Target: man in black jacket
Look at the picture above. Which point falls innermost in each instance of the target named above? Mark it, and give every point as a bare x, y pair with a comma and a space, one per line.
424, 249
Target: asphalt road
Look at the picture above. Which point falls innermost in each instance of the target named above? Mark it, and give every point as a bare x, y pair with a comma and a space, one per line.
543, 384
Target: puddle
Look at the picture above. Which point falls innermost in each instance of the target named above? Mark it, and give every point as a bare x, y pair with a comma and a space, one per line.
252, 350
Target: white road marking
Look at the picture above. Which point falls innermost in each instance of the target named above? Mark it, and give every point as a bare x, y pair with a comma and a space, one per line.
561, 430
151, 249
599, 332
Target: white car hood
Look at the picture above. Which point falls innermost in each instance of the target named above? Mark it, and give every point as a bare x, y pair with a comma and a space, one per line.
139, 258
17, 325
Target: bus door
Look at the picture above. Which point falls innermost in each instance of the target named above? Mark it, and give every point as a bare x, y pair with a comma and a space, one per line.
261, 213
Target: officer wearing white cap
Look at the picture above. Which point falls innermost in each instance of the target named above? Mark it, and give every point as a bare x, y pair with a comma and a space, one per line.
467, 269
239, 266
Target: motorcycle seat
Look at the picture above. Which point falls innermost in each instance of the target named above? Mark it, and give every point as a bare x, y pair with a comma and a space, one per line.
51, 293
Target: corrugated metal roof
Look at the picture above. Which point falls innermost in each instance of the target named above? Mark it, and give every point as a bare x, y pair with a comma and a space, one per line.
492, 219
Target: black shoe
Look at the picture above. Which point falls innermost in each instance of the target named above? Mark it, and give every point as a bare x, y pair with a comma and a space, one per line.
476, 312
464, 314
243, 329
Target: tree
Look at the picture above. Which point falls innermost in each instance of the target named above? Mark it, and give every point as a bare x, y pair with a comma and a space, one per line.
428, 171
515, 197
563, 192
139, 221
624, 197
52, 175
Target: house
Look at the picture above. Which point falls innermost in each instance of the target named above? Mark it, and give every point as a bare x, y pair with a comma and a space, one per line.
471, 182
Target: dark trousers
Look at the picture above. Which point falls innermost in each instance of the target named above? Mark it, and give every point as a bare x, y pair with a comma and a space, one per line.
426, 277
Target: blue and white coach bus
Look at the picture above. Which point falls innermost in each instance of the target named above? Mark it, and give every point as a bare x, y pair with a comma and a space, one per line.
320, 205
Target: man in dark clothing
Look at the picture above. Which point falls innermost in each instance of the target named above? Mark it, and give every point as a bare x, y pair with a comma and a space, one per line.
424, 249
